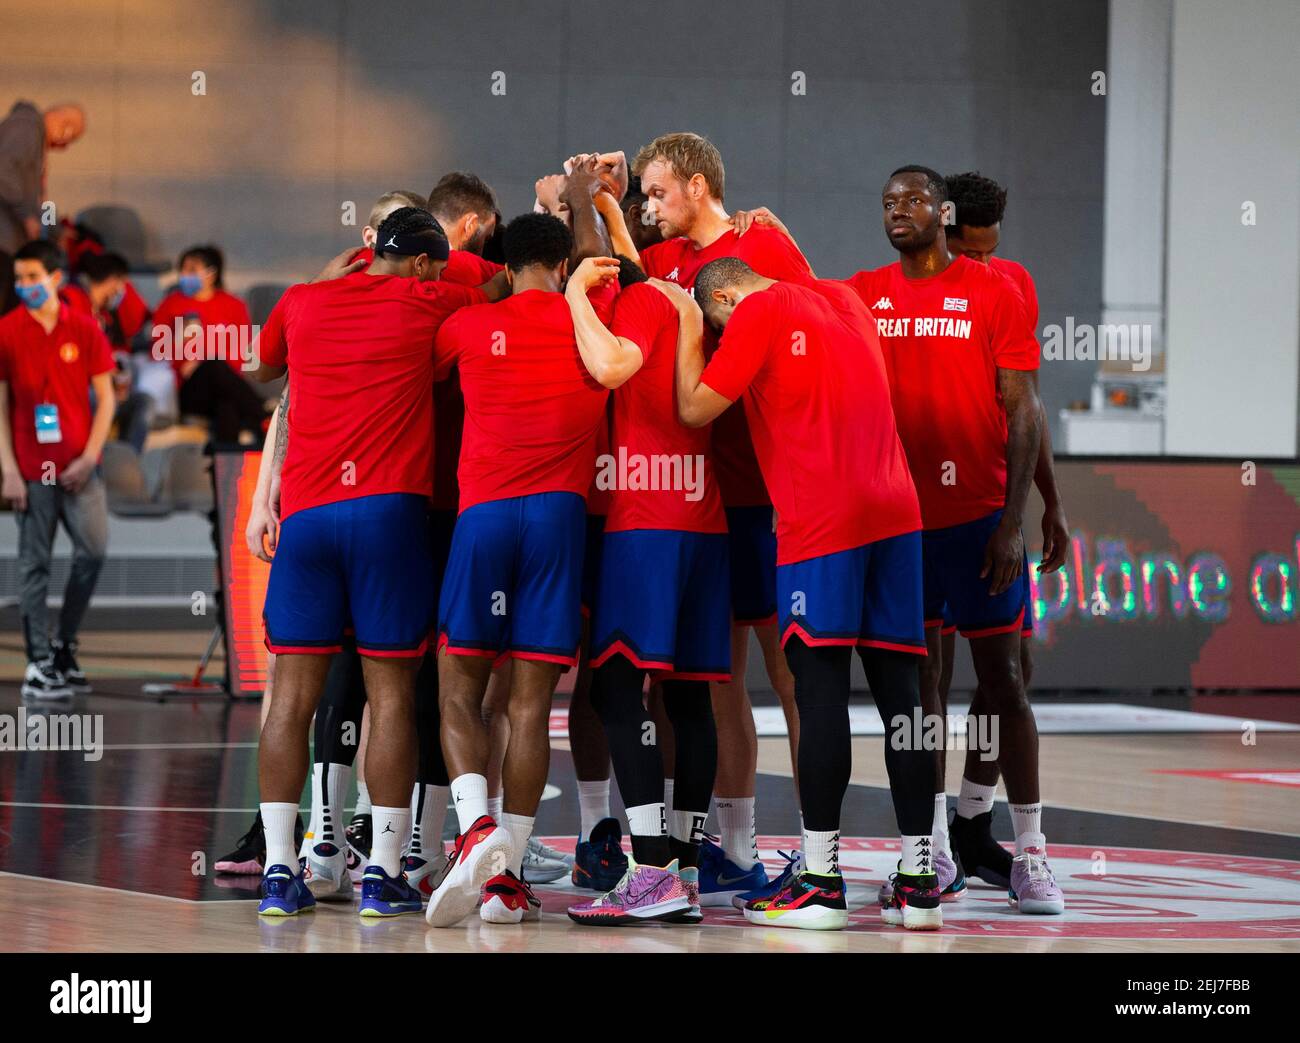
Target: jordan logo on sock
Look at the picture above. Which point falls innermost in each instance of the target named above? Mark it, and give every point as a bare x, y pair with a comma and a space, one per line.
388, 828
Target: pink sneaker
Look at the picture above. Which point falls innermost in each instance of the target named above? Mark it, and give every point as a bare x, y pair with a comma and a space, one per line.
1033, 888
644, 894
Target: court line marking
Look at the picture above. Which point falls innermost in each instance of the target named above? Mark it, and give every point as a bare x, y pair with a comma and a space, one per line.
121, 890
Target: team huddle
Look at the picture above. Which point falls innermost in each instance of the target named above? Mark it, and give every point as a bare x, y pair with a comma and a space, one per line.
651, 431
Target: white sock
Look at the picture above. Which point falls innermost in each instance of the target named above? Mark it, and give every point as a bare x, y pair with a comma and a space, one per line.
469, 792
363, 799
736, 823
975, 799
391, 828
1026, 820
427, 818
687, 827
668, 794
940, 826
916, 859
520, 828
593, 804
278, 822
821, 852
647, 820
494, 808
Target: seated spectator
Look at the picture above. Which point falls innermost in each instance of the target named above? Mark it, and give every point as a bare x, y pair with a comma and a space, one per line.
200, 291
211, 389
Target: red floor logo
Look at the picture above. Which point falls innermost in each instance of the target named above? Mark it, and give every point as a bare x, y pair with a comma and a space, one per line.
1110, 892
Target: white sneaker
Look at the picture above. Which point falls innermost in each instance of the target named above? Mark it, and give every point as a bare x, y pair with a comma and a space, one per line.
552, 853
479, 854
43, 681
539, 868
425, 871
327, 873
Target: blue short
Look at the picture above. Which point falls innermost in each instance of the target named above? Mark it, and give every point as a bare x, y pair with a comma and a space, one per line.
753, 565
366, 561
956, 596
663, 602
869, 596
591, 560
1026, 625
513, 584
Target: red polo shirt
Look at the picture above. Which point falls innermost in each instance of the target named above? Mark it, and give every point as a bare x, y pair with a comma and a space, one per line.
55, 368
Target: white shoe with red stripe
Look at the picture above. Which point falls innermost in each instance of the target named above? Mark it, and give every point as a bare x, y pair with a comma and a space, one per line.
507, 899
480, 853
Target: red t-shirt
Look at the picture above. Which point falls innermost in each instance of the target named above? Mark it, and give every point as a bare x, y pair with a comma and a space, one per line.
360, 356
945, 338
1024, 282
222, 309
662, 471
55, 368
806, 359
467, 269
448, 423
770, 254
531, 408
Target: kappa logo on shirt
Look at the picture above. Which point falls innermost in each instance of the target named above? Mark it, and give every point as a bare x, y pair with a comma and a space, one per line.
884, 304
954, 304
674, 275
69, 352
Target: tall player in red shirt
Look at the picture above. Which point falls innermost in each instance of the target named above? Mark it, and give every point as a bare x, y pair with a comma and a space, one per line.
684, 180
960, 356
353, 544
533, 405
979, 204
806, 360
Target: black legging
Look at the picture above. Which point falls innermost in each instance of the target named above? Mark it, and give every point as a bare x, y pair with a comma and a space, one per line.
217, 392
638, 764
821, 691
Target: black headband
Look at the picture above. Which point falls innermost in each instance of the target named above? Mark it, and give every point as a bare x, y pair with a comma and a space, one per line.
414, 244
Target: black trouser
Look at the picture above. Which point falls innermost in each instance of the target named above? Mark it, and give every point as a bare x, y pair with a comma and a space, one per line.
8, 296
821, 691
217, 392
635, 752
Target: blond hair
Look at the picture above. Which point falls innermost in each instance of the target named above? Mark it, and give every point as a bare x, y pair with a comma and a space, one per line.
687, 154
394, 200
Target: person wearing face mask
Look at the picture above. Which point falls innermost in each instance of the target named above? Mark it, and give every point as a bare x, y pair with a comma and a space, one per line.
51, 359
26, 137
200, 291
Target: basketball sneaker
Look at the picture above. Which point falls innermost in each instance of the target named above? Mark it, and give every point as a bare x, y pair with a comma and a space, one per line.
1033, 888
721, 879
478, 855
249, 853
284, 893
507, 899
809, 902
425, 874
599, 863
538, 868
358, 834
644, 895
948, 871
980, 855
793, 867
690, 877
384, 895
913, 903
43, 681
327, 872
65, 662
554, 854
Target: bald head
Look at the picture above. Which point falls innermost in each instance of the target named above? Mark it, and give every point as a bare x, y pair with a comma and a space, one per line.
64, 124
723, 284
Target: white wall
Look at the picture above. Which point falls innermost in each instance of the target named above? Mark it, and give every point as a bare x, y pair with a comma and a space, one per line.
1233, 293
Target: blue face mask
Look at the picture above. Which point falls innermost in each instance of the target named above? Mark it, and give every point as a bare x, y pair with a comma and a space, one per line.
190, 284
33, 296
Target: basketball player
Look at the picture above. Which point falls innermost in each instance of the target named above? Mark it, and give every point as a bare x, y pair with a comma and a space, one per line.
514, 575
662, 603
806, 359
358, 464
979, 204
960, 353
682, 177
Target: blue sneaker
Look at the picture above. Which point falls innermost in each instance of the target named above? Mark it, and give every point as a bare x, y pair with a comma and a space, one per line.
284, 892
721, 879
599, 863
384, 895
793, 867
